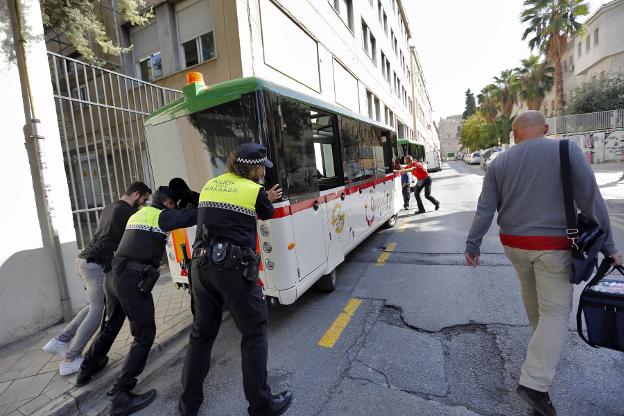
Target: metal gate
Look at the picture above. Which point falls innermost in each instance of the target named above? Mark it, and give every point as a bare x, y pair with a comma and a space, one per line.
100, 118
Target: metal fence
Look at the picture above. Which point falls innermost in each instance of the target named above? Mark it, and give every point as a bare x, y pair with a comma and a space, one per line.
100, 119
586, 122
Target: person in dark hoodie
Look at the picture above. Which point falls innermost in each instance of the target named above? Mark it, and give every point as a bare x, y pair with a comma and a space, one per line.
128, 294
185, 197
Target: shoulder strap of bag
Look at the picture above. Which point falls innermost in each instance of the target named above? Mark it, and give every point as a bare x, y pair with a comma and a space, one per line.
606, 267
568, 192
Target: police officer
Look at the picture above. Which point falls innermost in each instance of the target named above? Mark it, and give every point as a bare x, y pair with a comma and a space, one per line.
226, 233
128, 294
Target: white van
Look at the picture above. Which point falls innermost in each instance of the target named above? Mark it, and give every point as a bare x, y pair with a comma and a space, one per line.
434, 163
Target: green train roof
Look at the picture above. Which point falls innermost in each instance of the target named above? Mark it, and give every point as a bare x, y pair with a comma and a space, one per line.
408, 141
198, 97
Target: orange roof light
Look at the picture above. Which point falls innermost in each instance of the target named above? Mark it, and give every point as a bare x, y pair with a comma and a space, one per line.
192, 77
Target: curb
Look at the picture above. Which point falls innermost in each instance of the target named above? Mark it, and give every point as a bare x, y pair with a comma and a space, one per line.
91, 399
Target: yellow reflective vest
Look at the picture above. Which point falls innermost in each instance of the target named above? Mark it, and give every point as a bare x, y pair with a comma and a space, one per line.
231, 192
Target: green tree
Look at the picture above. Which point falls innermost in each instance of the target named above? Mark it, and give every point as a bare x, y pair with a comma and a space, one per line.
78, 20
600, 94
488, 102
471, 105
550, 24
536, 80
470, 136
508, 87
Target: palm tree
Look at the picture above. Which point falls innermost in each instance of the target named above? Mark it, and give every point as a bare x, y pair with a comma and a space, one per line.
550, 24
508, 87
536, 80
488, 102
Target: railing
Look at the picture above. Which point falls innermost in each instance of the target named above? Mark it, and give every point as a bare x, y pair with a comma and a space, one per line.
100, 119
576, 123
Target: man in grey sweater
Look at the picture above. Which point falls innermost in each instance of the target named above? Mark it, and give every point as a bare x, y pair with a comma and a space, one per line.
524, 186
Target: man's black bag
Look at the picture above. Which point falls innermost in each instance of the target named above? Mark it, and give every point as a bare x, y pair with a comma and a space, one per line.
603, 307
586, 236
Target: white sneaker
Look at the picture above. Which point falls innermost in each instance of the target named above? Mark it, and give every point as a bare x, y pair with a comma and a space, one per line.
56, 347
71, 367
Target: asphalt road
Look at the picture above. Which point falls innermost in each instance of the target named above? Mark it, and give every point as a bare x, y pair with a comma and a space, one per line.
431, 336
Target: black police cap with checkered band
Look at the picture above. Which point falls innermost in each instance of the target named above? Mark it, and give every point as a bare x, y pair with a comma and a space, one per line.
253, 154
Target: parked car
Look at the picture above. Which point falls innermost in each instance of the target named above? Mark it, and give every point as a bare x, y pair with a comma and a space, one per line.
490, 159
474, 158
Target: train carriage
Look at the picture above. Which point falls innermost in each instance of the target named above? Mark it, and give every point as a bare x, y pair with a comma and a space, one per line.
335, 168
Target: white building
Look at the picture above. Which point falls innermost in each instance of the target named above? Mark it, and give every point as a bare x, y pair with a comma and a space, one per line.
450, 131
597, 53
353, 53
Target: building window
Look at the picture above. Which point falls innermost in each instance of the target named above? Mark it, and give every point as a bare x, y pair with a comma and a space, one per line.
380, 12
373, 48
587, 44
385, 23
151, 67
388, 71
200, 49
370, 104
392, 40
377, 109
596, 36
579, 50
344, 8
365, 34
383, 64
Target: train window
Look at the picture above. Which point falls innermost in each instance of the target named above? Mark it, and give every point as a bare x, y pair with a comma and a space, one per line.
383, 158
350, 150
368, 146
325, 145
223, 128
298, 145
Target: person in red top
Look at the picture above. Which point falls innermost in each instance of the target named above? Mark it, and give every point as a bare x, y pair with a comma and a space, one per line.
424, 181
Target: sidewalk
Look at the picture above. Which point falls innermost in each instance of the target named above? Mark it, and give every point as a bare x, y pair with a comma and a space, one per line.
29, 377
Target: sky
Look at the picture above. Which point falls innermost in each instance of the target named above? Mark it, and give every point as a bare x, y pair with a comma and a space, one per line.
463, 44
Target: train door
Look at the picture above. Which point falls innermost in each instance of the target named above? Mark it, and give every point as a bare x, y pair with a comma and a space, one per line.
331, 185
353, 177
302, 186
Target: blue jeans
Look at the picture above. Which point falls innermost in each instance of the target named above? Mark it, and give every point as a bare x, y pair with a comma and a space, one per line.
80, 330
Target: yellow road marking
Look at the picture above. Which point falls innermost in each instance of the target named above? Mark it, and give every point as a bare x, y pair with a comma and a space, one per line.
403, 227
335, 330
384, 256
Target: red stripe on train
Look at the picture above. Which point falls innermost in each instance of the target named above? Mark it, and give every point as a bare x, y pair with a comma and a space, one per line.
287, 210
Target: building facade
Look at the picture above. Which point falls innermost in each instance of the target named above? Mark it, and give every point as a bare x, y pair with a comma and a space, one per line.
354, 53
450, 132
595, 54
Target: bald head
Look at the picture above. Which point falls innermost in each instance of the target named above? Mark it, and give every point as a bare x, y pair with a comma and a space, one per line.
529, 125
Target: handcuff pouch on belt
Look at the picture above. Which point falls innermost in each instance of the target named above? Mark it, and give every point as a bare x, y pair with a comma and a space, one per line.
147, 273
229, 256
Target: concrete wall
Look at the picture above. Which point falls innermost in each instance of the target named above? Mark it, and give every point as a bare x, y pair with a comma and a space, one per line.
598, 148
29, 293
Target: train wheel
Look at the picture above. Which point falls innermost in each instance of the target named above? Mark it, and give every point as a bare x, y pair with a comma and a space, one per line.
327, 283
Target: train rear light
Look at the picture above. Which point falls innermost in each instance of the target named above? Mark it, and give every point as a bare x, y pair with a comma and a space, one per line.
269, 264
264, 230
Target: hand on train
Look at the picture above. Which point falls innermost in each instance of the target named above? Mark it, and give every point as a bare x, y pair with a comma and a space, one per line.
275, 193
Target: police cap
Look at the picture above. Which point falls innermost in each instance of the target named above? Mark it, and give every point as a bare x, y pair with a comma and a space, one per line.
253, 154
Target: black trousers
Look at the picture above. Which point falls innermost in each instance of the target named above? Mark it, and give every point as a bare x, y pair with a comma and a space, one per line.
406, 196
427, 186
124, 299
212, 287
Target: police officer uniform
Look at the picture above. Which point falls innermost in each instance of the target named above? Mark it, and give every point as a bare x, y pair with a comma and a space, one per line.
128, 294
228, 207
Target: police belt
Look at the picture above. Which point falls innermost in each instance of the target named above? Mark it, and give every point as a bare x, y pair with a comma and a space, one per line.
228, 256
148, 274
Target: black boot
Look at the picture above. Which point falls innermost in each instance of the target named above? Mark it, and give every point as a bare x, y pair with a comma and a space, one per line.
87, 372
126, 403
538, 400
280, 403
